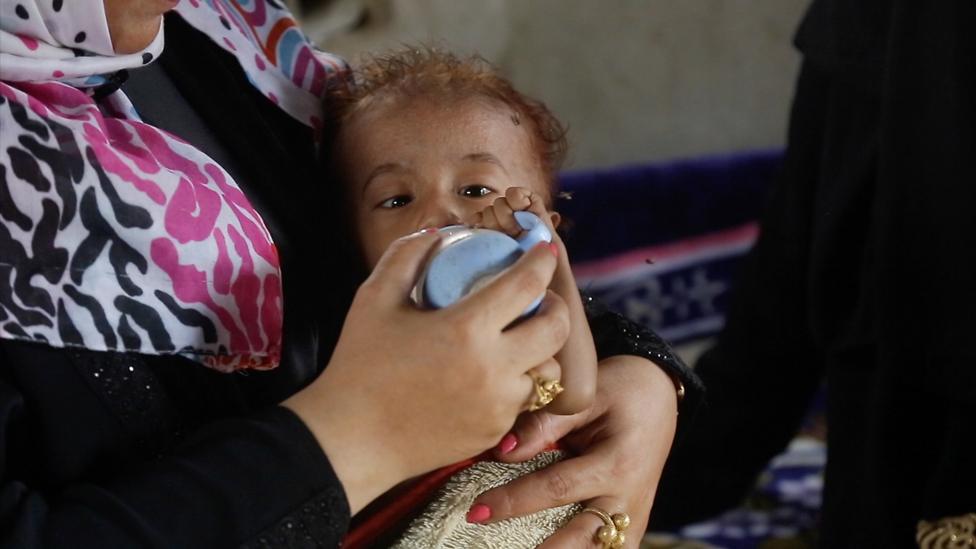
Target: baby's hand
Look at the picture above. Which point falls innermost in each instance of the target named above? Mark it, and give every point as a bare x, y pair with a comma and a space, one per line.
500, 216
578, 356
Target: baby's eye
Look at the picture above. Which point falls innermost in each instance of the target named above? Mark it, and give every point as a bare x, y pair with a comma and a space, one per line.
396, 201
475, 191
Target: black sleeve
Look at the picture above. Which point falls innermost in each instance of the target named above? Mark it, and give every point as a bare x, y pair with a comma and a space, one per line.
256, 480
761, 376
754, 407
763, 370
613, 334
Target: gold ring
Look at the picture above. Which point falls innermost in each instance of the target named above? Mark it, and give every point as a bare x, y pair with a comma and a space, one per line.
546, 390
611, 534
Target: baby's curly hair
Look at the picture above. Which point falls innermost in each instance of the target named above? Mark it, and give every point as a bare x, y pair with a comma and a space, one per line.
422, 71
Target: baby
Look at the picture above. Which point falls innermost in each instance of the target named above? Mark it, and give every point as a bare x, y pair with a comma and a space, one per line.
426, 140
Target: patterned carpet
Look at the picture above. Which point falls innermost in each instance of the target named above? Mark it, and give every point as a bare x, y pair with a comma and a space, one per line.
781, 512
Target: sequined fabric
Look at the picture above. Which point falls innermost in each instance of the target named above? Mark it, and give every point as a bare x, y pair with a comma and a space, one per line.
127, 386
314, 524
614, 334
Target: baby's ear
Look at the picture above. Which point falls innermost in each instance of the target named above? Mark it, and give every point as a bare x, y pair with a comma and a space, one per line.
555, 218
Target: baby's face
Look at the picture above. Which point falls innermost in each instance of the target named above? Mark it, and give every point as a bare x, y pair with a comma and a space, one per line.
424, 164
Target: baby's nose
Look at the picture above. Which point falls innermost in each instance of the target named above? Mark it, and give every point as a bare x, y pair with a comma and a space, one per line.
440, 217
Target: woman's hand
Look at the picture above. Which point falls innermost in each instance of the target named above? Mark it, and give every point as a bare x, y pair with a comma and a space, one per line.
578, 357
620, 444
409, 390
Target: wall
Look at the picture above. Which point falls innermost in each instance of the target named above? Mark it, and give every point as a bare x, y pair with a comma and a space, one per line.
636, 80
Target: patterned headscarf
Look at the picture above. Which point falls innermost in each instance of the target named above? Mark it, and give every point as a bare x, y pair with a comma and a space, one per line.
114, 234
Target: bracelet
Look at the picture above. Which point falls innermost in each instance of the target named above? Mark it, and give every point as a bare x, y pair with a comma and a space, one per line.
679, 386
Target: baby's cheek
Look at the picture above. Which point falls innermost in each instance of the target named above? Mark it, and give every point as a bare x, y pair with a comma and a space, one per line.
378, 246
371, 244
372, 258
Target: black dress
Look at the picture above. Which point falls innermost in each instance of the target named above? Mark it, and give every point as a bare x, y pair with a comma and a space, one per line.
864, 277
124, 450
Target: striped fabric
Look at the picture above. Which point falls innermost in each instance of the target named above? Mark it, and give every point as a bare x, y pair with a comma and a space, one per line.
660, 242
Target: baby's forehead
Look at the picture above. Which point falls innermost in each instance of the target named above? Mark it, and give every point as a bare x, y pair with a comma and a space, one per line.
419, 109
390, 118
470, 130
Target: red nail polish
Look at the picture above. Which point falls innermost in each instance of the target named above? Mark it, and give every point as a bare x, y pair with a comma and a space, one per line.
428, 230
479, 513
554, 249
508, 443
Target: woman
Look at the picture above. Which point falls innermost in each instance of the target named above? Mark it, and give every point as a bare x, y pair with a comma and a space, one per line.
868, 230
132, 260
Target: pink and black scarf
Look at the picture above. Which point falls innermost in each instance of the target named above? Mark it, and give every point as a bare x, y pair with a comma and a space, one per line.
114, 234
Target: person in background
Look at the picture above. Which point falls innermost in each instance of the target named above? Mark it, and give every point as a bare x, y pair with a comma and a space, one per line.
862, 279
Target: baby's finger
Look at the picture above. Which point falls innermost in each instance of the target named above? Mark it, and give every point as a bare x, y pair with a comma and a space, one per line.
537, 205
487, 220
478, 220
506, 217
519, 198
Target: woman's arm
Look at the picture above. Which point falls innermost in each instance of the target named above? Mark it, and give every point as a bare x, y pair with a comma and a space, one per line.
76, 476
396, 371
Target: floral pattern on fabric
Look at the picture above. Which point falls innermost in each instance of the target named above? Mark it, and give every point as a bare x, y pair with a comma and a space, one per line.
277, 57
114, 234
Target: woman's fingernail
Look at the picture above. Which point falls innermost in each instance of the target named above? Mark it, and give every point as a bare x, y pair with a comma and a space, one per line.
554, 249
427, 230
479, 513
508, 443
